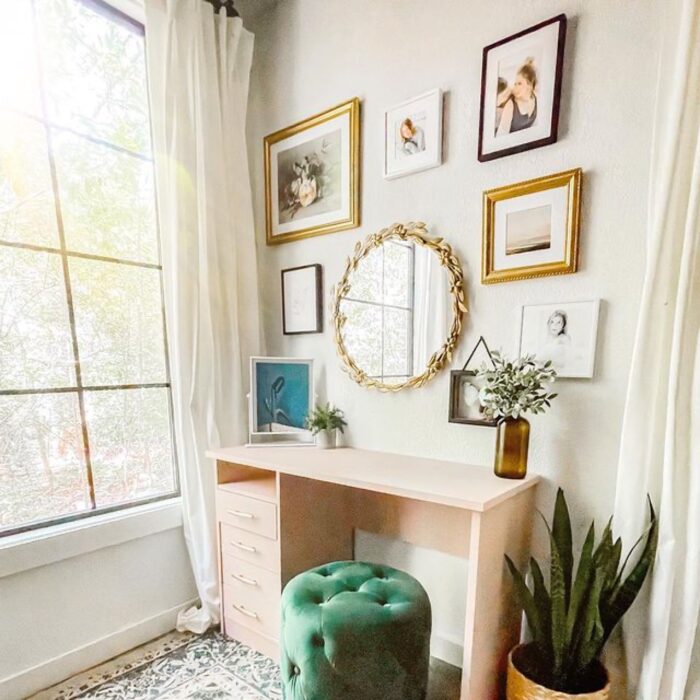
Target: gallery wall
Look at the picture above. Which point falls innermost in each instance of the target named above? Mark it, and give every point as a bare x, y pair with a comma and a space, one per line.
313, 54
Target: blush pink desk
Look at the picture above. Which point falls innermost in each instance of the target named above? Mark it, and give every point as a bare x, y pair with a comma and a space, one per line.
282, 510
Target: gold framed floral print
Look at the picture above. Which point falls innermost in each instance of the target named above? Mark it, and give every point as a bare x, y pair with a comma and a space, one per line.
312, 175
531, 229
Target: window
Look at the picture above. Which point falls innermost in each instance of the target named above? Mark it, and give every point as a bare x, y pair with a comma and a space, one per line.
85, 405
379, 332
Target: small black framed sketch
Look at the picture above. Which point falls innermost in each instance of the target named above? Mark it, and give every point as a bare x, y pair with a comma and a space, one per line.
465, 406
302, 300
521, 78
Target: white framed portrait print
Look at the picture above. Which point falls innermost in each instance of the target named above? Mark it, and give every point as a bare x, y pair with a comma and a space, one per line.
413, 135
563, 333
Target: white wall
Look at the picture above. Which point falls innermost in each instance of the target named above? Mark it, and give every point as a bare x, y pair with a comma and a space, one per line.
59, 619
312, 54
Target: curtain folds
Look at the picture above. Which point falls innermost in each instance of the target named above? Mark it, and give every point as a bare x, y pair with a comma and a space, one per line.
199, 68
660, 448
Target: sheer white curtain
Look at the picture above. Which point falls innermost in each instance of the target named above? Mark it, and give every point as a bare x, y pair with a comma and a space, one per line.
199, 68
660, 450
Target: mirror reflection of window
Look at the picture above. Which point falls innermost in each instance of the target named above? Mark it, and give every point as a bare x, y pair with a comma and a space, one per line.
380, 313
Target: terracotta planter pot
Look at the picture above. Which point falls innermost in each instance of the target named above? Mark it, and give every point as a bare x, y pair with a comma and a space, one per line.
520, 687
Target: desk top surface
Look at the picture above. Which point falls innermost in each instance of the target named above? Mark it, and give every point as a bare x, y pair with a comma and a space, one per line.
450, 483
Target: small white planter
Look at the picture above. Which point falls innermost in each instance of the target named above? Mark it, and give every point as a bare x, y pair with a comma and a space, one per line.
326, 439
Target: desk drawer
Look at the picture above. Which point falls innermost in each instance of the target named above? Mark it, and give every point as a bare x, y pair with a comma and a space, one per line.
251, 548
247, 513
253, 608
244, 581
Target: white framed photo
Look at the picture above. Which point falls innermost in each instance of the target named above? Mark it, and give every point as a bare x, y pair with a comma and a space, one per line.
563, 333
281, 396
413, 135
302, 300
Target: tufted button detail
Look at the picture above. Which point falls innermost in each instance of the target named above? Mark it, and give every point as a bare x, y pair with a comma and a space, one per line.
319, 639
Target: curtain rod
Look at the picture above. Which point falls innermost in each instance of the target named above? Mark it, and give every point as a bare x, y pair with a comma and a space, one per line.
231, 11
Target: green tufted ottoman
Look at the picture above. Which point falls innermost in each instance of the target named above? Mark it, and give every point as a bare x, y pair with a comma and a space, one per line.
355, 631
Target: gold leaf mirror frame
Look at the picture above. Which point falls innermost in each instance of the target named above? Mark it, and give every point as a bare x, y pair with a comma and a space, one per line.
413, 232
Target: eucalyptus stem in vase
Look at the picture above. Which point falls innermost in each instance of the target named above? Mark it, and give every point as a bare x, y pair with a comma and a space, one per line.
511, 389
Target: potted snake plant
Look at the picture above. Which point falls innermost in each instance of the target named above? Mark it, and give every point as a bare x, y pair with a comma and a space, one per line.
325, 422
572, 620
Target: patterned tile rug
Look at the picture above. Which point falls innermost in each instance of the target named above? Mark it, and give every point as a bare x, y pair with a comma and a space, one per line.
178, 667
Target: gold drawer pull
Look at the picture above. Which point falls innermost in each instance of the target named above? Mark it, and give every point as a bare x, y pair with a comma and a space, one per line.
241, 514
245, 611
245, 579
245, 547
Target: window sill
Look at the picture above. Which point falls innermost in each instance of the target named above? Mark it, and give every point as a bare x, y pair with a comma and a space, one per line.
52, 544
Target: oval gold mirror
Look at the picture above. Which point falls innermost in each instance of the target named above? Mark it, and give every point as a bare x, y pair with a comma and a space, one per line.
397, 311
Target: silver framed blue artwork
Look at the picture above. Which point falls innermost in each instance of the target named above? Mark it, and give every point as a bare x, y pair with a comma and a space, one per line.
281, 396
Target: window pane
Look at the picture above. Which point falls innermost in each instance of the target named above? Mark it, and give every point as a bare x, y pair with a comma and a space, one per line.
107, 200
119, 322
363, 335
19, 77
27, 210
398, 274
397, 334
35, 342
366, 281
42, 472
130, 444
95, 73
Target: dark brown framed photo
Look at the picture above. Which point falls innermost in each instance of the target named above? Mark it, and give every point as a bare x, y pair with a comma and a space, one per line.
520, 90
302, 300
465, 406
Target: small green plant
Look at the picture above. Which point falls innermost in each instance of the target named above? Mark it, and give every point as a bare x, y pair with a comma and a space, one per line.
326, 417
572, 621
514, 387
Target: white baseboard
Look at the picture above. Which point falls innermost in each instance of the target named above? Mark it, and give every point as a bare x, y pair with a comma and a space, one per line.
57, 669
446, 648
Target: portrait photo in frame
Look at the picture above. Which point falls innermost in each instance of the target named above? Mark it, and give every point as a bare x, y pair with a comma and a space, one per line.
413, 135
531, 229
312, 175
564, 333
521, 79
465, 387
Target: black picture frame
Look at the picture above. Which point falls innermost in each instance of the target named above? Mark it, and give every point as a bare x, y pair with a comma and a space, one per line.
318, 302
556, 98
456, 377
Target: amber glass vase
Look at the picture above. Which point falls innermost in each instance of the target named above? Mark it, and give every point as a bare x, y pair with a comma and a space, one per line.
512, 441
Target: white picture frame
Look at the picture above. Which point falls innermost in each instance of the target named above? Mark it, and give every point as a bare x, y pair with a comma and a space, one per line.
565, 333
404, 152
287, 417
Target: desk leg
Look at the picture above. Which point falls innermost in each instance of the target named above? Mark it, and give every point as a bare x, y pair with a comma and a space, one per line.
493, 618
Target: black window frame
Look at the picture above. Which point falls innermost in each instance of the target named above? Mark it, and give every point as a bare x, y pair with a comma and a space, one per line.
80, 389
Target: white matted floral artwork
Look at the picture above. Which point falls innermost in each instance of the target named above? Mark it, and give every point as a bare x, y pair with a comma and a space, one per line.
413, 135
564, 334
312, 175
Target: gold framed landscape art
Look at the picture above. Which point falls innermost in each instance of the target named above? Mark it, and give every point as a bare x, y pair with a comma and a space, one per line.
312, 175
531, 229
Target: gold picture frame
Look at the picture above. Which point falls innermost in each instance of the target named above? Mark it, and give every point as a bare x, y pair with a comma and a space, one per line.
539, 256
349, 211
